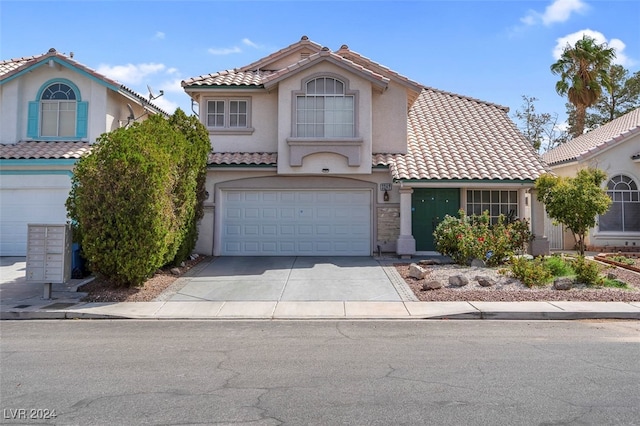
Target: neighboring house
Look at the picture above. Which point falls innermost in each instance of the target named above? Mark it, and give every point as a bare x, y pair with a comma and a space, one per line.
317, 152
615, 149
52, 109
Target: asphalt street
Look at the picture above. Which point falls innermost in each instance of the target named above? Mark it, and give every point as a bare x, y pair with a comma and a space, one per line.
320, 372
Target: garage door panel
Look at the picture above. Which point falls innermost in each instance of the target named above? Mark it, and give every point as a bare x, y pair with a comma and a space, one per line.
296, 222
19, 207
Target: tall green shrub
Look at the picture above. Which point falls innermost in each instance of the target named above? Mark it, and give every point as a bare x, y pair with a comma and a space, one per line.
191, 189
121, 199
137, 197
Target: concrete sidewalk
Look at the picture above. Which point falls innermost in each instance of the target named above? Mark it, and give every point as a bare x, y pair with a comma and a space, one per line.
323, 310
21, 301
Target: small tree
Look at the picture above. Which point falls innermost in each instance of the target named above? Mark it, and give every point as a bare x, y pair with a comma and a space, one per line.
575, 202
540, 129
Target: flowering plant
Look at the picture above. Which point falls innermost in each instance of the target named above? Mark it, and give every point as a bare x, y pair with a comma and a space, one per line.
469, 237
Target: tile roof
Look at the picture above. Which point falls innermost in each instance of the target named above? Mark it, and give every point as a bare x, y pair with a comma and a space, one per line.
229, 78
455, 137
11, 67
243, 158
592, 142
44, 150
255, 74
449, 136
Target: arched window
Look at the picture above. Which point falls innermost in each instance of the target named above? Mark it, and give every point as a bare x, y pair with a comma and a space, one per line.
325, 110
58, 111
624, 214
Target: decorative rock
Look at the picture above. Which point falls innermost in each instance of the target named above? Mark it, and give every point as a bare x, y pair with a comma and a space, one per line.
182, 264
175, 271
431, 285
194, 256
430, 262
485, 281
563, 283
612, 276
458, 280
478, 263
417, 272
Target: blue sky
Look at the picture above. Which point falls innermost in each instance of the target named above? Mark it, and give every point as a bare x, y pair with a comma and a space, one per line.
495, 51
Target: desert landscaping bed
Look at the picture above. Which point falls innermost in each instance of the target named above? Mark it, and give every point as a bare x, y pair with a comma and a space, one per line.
102, 290
512, 290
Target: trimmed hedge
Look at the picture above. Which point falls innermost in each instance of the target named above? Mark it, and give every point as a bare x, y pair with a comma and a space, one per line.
134, 198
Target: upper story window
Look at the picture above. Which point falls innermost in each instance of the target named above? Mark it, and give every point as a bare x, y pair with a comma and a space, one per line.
624, 213
58, 109
228, 114
58, 112
325, 110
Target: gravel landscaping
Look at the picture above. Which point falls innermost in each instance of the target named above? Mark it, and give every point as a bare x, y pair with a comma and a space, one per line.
509, 289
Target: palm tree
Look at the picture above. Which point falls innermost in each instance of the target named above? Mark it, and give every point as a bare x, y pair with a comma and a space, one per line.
583, 71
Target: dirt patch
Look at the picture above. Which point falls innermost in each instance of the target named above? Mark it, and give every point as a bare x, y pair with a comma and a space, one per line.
509, 289
102, 290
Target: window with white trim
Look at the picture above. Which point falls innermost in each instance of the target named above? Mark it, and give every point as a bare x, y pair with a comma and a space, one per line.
58, 111
228, 114
624, 213
495, 202
325, 110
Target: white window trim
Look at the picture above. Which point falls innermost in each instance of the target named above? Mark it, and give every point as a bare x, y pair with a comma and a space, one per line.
226, 130
303, 92
596, 232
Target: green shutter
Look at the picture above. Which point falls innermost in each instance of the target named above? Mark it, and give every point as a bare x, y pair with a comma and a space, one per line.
82, 121
32, 120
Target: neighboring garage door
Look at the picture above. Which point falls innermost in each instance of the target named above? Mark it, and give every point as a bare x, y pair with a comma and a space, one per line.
296, 222
28, 199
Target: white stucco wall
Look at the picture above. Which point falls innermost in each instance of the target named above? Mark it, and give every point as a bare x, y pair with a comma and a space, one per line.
315, 163
390, 120
263, 117
106, 107
613, 161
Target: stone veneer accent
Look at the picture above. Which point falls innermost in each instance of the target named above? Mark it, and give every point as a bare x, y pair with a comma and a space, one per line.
388, 224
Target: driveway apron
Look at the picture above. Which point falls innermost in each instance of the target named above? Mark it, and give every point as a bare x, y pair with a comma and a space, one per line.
289, 279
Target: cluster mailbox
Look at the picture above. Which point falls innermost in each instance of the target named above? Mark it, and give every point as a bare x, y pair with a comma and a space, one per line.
48, 255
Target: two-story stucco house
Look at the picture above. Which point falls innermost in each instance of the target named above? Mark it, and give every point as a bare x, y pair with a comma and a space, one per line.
52, 109
320, 152
615, 149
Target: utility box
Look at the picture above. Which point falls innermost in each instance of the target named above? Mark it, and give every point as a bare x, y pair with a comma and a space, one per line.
48, 255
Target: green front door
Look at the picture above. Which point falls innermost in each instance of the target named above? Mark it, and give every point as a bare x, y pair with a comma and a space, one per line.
428, 207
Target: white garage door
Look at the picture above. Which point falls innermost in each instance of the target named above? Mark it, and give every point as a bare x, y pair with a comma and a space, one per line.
300, 222
28, 199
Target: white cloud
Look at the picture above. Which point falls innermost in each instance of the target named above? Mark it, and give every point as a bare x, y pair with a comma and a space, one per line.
167, 105
571, 39
172, 86
130, 73
224, 50
558, 11
159, 35
249, 43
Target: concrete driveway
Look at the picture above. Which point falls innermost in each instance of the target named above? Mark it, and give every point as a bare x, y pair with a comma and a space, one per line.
289, 279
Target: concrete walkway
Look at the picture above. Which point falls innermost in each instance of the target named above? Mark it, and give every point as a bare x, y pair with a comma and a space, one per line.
283, 289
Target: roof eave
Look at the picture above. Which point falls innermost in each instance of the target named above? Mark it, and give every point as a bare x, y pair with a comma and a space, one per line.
378, 81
